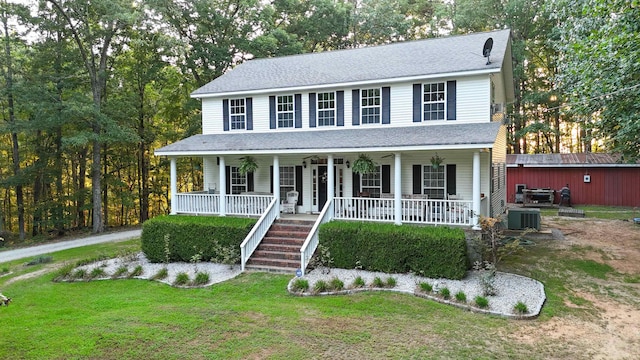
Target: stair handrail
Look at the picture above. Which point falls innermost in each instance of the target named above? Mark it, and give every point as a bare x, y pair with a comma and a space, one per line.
259, 230
312, 240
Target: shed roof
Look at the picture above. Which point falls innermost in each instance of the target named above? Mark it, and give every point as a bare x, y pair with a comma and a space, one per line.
460, 136
420, 58
567, 160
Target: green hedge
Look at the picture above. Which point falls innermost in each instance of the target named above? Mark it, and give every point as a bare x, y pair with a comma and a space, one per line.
217, 238
428, 251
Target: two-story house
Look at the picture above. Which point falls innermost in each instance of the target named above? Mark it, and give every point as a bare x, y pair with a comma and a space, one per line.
429, 113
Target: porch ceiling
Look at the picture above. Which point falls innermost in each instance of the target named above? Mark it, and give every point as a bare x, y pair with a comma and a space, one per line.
432, 137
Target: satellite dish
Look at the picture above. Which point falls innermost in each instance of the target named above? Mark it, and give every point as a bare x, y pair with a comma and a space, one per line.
486, 49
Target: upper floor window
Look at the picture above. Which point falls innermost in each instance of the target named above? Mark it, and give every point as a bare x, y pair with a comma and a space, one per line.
285, 111
372, 183
238, 181
370, 106
326, 109
433, 181
434, 101
237, 113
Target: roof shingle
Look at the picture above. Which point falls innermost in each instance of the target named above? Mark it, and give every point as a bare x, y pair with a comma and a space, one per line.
418, 58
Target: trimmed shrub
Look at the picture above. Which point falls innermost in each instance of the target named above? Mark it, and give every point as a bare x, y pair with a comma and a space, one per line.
482, 302
176, 238
435, 252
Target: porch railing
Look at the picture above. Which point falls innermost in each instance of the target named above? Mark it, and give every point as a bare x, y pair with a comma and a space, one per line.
419, 211
203, 203
311, 242
259, 230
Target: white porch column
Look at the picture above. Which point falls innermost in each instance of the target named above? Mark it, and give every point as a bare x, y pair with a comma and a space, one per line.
397, 189
174, 185
223, 187
476, 191
331, 185
276, 182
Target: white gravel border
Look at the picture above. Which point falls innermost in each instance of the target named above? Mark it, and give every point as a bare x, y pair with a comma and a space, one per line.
510, 289
217, 272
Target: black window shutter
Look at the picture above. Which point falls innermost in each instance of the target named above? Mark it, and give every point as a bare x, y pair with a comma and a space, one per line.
451, 179
417, 102
386, 105
225, 114
417, 179
250, 182
355, 107
386, 179
227, 174
340, 108
272, 112
297, 105
299, 183
451, 100
356, 184
312, 110
271, 179
249, 105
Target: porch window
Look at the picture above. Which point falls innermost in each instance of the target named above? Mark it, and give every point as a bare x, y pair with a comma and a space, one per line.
285, 111
287, 180
372, 183
434, 101
237, 113
433, 181
326, 109
238, 181
370, 106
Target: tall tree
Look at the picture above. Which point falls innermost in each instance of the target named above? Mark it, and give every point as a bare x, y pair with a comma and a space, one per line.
95, 27
600, 72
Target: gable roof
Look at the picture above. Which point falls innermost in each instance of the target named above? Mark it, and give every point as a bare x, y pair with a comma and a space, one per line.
410, 59
568, 160
462, 136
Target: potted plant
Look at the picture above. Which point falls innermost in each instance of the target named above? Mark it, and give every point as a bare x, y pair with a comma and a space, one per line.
364, 165
436, 161
247, 165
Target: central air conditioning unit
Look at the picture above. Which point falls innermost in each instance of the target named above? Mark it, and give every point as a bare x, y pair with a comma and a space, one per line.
520, 219
519, 193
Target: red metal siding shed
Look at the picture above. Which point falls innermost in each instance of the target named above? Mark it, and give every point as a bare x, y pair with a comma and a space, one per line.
611, 183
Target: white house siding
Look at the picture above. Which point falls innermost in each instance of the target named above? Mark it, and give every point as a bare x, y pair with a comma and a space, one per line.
472, 105
498, 159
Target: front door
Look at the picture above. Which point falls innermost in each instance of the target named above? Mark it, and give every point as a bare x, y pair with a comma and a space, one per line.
319, 185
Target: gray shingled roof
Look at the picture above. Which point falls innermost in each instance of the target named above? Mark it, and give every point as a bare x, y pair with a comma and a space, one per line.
344, 140
444, 55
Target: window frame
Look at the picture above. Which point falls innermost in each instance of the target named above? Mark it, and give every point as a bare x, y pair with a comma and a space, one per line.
237, 120
321, 102
365, 96
237, 181
292, 186
434, 101
290, 113
368, 187
429, 190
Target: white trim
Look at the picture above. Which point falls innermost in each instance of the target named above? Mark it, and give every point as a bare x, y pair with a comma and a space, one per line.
334, 108
325, 151
574, 165
379, 107
346, 84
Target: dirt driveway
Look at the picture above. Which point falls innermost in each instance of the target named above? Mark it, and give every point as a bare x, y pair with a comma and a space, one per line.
606, 320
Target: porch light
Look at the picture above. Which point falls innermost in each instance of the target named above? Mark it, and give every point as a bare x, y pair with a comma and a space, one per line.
348, 164
304, 164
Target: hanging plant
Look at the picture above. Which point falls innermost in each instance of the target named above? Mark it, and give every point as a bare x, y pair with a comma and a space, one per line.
364, 165
436, 161
247, 165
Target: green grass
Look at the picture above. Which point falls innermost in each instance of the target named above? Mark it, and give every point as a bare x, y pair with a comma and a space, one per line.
599, 212
253, 316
